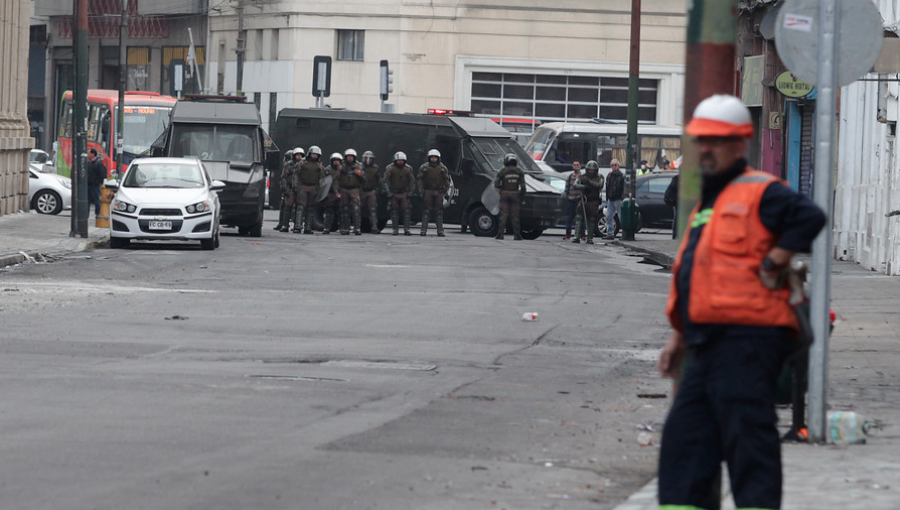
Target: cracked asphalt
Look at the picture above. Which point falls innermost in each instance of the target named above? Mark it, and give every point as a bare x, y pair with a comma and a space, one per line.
331, 372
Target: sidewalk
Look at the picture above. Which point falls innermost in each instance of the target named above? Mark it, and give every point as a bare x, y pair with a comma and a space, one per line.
30, 235
864, 376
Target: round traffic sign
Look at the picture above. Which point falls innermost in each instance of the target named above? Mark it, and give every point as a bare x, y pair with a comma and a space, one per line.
860, 33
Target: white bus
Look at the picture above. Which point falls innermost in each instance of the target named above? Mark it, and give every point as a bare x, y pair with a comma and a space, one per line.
558, 144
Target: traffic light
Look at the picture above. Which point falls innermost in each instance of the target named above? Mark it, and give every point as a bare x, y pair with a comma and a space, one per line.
387, 78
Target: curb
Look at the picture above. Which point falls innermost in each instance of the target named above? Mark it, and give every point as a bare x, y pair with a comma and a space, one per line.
661, 258
26, 255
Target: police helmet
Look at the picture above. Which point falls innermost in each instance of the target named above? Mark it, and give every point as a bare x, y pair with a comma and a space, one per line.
399, 156
300, 150
288, 153
315, 150
434, 152
510, 160
336, 156
368, 157
592, 165
350, 152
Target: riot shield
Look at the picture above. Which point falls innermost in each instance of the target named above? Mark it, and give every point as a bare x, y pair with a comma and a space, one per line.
490, 198
448, 196
324, 188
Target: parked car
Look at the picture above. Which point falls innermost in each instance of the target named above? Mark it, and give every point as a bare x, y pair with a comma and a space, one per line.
165, 198
650, 190
48, 193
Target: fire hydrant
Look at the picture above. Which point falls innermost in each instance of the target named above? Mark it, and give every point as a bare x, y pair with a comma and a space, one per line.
106, 197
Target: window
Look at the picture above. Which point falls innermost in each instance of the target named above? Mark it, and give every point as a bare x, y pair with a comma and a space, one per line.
351, 45
550, 98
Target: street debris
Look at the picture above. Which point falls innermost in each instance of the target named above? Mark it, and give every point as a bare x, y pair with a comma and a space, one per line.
651, 395
176, 318
646, 428
530, 317
645, 439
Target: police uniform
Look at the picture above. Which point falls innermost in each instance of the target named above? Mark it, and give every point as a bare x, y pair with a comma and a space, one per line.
332, 200
433, 182
369, 195
398, 183
511, 184
738, 333
590, 186
306, 180
288, 196
350, 182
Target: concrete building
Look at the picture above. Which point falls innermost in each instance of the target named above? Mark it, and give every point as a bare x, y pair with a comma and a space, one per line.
15, 138
518, 61
868, 165
157, 46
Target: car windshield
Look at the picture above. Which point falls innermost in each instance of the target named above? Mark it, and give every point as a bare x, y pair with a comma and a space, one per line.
215, 142
164, 175
142, 125
38, 157
539, 142
494, 149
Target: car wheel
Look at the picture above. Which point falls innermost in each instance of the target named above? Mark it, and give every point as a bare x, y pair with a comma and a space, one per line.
482, 222
118, 242
243, 231
47, 201
256, 230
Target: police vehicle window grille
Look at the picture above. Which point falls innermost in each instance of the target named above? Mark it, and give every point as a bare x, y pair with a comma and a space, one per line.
351, 45
549, 98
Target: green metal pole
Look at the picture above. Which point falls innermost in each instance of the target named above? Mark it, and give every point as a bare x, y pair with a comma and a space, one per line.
629, 227
709, 70
123, 74
81, 210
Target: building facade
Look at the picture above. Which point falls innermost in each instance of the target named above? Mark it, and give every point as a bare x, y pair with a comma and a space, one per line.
157, 45
521, 62
868, 166
15, 132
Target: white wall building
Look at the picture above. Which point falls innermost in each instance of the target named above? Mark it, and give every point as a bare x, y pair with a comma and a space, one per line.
508, 59
868, 169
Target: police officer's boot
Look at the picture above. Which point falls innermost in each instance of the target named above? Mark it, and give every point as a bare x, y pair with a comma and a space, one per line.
357, 220
281, 214
327, 218
373, 220
345, 220
395, 222
578, 221
406, 220
310, 216
440, 222
501, 227
424, 223
591, 228
298, 219
517, 231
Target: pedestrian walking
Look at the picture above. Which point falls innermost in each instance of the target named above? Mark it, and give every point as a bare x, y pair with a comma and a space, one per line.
351, 180
573, 200
369, 196
510, 183
737, 329
398, 184
433, 182
590, 185
615, 192
306, 183
96, 174
332, 200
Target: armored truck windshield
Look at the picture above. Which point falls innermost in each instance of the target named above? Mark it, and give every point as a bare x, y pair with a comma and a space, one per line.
237, 144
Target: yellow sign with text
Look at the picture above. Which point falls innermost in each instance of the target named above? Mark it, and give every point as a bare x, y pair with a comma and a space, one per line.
791, 86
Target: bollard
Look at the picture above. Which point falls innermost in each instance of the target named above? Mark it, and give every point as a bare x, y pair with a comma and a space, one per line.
106, 197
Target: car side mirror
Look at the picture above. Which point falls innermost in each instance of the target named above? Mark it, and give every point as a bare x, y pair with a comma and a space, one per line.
217, 185
468, 167
112, 185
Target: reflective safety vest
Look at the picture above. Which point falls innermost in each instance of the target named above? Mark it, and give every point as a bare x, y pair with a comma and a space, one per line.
725, 287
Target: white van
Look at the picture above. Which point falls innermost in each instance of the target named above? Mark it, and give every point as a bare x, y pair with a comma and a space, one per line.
558, 144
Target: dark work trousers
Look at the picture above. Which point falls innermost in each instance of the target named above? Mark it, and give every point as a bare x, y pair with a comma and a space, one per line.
574, 208
725, 410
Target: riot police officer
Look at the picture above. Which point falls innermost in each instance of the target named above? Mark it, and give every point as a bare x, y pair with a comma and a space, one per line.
398, 184
351, 180
433, 182
368, 197
590, 185
284, 211
332, 199
510, 183
307, 180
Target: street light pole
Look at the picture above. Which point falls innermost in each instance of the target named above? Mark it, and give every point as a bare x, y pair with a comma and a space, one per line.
80, 209
241, 47
120, 113
629, 227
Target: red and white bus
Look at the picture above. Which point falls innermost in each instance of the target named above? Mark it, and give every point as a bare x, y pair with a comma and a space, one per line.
146, 117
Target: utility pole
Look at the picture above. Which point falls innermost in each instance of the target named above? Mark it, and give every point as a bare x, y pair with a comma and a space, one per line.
80, 211
120, 113
629, 227
709, 70
241, 47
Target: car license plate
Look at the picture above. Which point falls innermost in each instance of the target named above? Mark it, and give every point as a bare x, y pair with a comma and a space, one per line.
160, 225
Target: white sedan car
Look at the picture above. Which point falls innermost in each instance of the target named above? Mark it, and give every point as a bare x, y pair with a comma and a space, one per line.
48, 193
165, 199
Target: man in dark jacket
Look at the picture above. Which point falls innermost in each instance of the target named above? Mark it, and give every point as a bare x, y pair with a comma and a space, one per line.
615, 192
96, 174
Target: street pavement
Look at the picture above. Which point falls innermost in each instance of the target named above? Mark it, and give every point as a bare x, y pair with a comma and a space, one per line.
863, 371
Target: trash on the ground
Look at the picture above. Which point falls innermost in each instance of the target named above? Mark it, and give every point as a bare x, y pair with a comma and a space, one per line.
176, 318
530, 316
645, 439
847, 427
647, 428
651, 395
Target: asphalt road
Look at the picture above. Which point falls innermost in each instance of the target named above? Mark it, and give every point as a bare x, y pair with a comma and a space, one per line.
331, 372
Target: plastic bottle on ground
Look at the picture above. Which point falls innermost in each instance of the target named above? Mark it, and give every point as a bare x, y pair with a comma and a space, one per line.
846, 427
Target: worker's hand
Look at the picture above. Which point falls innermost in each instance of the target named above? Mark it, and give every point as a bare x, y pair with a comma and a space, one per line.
671, 356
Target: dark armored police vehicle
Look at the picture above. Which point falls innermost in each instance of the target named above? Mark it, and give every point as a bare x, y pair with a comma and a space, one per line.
472, 148
226, 134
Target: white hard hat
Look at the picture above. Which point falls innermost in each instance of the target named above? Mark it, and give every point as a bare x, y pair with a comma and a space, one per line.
350, 152
315, 150
721, 115
434, 152
300, 150
398, 156
336, 155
